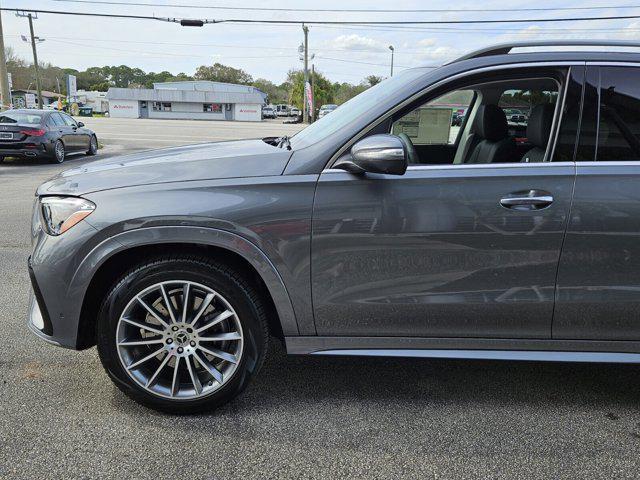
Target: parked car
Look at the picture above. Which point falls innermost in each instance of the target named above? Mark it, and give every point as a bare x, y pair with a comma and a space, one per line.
282, 110
326, 109
268, 112
457, 119
43, 134
370, 232
514, 115
295, 112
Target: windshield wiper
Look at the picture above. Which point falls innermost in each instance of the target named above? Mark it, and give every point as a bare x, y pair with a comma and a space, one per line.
284, 142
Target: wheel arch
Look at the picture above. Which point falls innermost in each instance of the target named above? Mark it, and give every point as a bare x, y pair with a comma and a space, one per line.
112, 258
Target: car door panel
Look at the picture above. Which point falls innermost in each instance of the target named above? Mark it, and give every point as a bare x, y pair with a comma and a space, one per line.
599, 273
434, 253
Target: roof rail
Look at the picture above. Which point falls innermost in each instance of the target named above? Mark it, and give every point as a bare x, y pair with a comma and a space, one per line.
504, 48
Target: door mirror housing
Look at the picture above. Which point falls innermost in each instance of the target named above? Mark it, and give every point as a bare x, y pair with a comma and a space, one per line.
382, 153
80, 124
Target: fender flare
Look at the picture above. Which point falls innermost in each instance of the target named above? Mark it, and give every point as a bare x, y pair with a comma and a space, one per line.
157, 235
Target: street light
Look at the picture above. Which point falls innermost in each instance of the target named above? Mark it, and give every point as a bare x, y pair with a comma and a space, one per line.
392, 50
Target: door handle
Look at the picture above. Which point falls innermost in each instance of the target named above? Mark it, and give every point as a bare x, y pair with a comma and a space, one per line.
527, 200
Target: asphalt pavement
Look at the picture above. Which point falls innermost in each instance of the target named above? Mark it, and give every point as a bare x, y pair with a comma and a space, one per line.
302, 417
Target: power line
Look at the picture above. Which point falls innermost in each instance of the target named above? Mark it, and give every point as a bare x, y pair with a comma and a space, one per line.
347, 10
200, 22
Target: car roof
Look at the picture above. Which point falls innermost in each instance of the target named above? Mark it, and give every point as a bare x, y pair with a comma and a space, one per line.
27, 110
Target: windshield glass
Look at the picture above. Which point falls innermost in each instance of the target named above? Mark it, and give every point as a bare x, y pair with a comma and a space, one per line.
354, 108
20, 117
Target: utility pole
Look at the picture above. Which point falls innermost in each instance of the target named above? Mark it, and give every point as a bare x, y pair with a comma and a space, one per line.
392, 50
305, 114
313, 92
35, 60
4, 75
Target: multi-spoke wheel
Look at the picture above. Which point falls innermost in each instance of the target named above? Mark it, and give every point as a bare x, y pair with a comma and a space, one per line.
182, 335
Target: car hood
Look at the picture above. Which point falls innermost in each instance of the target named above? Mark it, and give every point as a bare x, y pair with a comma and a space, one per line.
244, 158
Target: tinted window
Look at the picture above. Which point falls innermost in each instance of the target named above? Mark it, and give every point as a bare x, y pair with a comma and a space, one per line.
57, 119
619, 122
68, 120
21, 117
567, 135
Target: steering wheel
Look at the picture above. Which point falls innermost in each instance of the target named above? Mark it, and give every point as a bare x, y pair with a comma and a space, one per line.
412, 154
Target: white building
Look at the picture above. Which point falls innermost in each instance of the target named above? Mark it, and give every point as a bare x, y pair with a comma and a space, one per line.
94, 99
191, 100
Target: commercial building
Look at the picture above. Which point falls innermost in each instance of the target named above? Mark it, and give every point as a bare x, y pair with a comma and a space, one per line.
29, 98
94, 99
191, 100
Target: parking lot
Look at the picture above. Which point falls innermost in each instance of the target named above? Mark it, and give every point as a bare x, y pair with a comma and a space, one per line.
303, 417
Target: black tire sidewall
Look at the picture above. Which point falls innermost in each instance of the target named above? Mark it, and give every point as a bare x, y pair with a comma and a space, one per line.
91, 151
55, 155
236, 292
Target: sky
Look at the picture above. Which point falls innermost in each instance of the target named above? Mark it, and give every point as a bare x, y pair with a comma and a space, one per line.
342, 53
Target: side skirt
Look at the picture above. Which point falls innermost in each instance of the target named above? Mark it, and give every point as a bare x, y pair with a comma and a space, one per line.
469, 348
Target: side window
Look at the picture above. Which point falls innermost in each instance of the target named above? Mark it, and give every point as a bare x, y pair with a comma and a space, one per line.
518, 104
57, 119
619, 120
68, 120
438, 121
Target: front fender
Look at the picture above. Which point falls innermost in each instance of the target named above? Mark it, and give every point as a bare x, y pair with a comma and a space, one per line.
192, 235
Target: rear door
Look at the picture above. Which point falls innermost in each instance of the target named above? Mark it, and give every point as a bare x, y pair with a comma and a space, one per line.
64, 131
599, 272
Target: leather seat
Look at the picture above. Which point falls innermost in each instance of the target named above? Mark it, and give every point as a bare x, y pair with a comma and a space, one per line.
496, 145
538, 130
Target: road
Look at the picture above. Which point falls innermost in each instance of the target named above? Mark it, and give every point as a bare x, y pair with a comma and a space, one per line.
302, 417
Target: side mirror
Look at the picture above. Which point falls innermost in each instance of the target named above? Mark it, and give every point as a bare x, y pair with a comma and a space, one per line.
80, 124
382, 153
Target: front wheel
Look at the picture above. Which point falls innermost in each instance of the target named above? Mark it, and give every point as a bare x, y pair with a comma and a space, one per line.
182, 335
58, 152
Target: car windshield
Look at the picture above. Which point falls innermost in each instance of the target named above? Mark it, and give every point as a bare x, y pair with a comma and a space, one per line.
354, 108
20, 117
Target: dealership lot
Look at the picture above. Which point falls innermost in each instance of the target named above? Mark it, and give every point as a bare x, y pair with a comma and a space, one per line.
303, 416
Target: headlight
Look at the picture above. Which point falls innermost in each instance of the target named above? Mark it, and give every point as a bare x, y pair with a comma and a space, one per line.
59, 214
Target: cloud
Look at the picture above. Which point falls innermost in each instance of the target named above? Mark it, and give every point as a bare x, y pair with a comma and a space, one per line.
357, 43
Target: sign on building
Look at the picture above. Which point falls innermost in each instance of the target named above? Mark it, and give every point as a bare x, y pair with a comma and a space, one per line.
30, 100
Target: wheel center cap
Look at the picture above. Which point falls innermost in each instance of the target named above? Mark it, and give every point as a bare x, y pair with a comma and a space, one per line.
182, 338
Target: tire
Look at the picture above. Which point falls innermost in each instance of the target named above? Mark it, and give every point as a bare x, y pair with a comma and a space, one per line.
167, 394
93, 146
59, 152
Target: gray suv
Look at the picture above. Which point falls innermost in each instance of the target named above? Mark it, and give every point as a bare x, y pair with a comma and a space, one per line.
379, 230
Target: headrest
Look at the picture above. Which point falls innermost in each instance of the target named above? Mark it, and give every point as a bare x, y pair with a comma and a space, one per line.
492, 123
539, 126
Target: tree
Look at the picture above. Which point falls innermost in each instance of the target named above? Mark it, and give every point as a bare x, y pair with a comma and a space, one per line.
275, 93
372, 80
322, 88
223, 73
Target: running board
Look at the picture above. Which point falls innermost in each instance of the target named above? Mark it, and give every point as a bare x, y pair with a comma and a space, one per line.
522, 355
471, 348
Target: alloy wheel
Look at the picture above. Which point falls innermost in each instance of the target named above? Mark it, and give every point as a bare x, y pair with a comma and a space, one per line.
179, 340
59, 151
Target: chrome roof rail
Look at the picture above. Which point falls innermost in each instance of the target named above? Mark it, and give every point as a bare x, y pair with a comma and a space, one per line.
505, 48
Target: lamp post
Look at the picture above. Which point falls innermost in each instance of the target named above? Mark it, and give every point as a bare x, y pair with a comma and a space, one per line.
392, 50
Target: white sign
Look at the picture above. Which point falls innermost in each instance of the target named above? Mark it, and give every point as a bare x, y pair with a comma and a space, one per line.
10, 81
30, 99
72, 88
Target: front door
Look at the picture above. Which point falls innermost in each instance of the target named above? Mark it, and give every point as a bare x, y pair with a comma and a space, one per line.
451, 250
